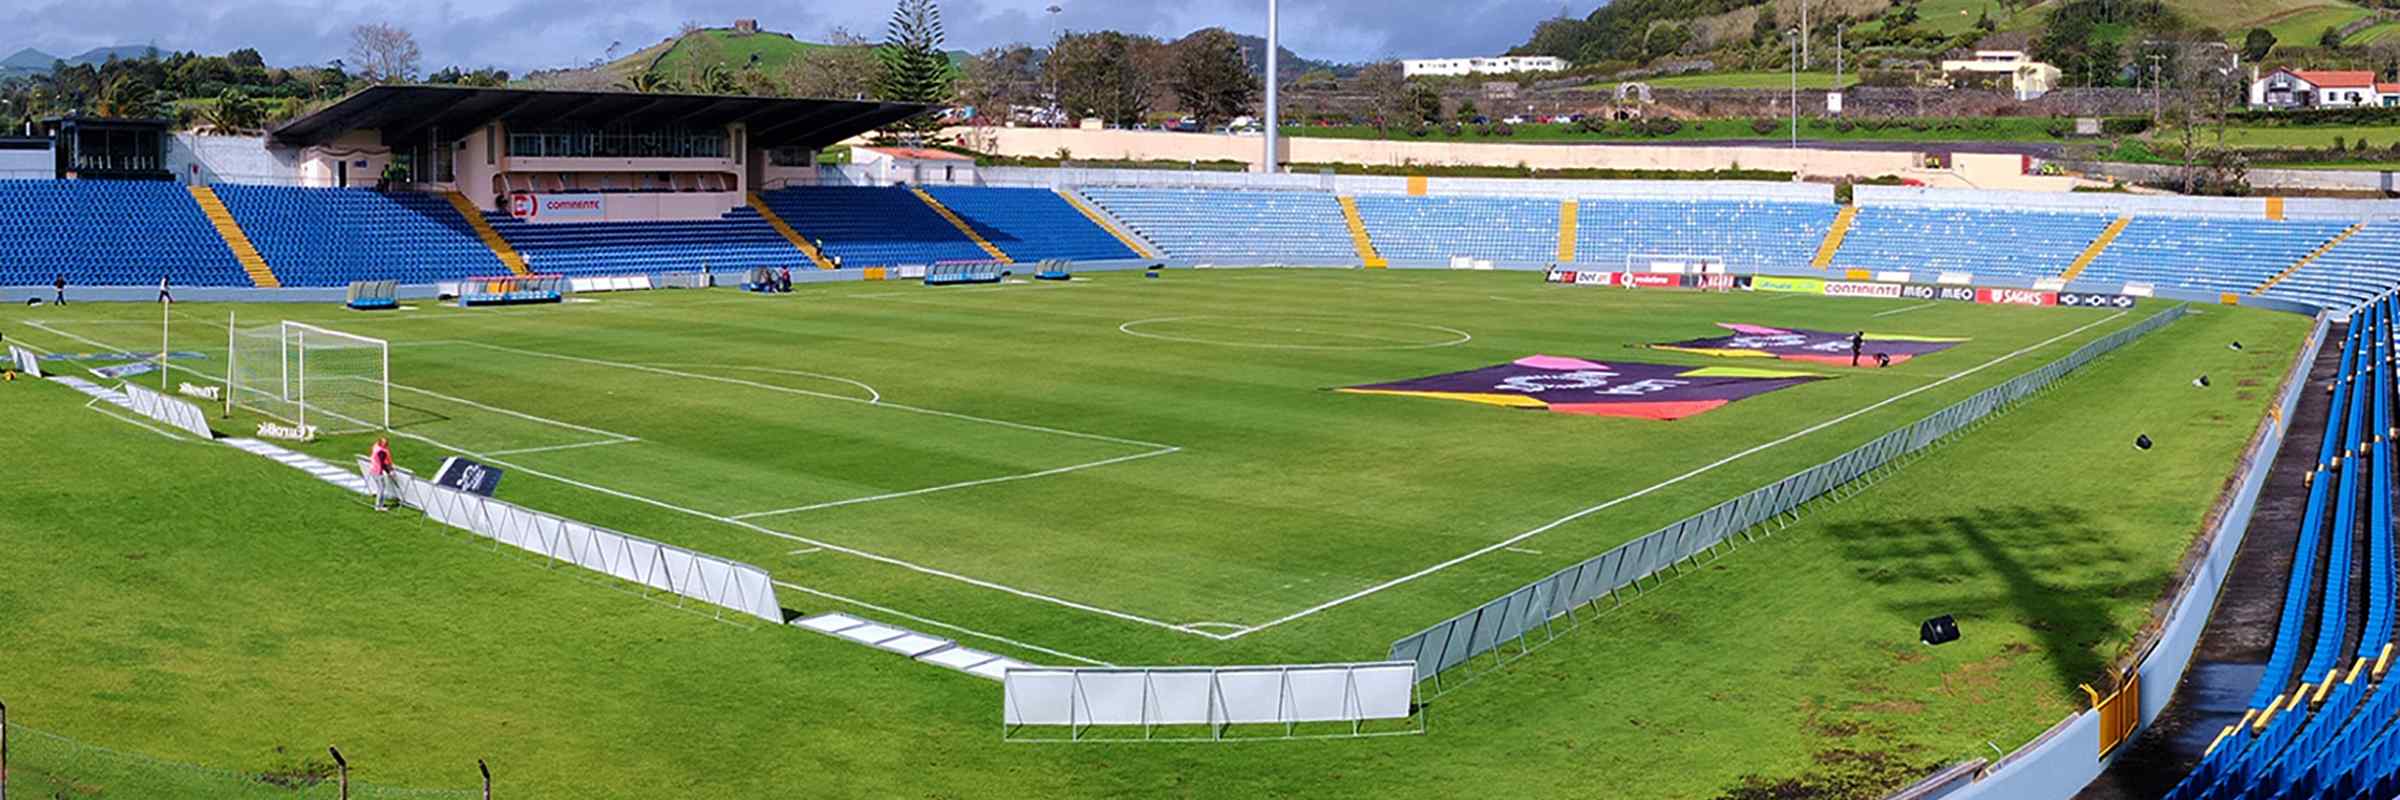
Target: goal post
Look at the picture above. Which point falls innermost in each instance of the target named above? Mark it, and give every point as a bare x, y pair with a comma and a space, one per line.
309, 375
1675, 263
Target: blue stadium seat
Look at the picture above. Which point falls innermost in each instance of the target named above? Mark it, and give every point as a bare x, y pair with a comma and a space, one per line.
109, 233
331, 237
1030, 224
1235, 225
872, 226
740, 239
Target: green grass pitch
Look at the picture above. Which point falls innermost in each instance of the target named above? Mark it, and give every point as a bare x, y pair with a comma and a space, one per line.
1115, 469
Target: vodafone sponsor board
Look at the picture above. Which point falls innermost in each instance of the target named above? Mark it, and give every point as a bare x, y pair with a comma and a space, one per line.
2016, 297
1652, 280
1858, 289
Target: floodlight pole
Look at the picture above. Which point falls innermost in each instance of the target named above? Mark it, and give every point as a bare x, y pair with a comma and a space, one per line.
1796, 34
1274, 117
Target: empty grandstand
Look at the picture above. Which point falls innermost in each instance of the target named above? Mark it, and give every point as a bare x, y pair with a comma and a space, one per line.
1987, 242
102, 232
330, 237
1235, 226
738, 240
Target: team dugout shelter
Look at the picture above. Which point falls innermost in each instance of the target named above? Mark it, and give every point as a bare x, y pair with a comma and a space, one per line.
577, 156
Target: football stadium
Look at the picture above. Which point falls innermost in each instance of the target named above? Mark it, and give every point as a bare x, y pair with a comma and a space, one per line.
510, 441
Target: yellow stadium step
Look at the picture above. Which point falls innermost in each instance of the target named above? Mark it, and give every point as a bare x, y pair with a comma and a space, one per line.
491, 238
2275, 209
2099, 245
1568, 212
962, 226
1834, 237
2312, 256
774, 220
235, 240
1367, 257
1093, 214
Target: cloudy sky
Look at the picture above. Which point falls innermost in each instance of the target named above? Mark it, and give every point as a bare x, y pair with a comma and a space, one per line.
527, 34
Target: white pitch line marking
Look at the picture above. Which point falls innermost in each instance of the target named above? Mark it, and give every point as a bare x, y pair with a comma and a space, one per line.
1526, 550
850, 551
805, 551
1553, 524
873, 396
1904, 310
557, 447
960, 485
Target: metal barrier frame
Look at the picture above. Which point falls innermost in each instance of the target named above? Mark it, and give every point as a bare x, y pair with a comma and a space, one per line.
1529, 611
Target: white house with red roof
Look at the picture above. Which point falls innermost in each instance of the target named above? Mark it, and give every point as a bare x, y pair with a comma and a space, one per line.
913, 165
2292, 89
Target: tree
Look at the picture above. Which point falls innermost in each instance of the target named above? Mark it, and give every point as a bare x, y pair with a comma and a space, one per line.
384, 53
1765, 29
915, 70
1210, 80
2331, 39
845, 70
1467, 112
129, 96
648, 83
1107, 74
1386, 93
2257, 44
1424, 104
246, 58
1000, 79
234, 112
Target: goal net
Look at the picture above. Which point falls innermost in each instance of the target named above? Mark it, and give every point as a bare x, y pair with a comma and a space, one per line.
311, 376
1674, 263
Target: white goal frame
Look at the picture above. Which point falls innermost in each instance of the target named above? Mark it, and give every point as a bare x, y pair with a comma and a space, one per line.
1685, 263
293, 340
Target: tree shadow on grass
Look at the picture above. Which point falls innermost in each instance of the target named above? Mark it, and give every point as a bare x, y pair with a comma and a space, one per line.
2057, 573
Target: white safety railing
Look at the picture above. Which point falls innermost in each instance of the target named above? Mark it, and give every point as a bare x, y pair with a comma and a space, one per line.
170, 410
27, 362
685, 573
1079, 698
1513, 624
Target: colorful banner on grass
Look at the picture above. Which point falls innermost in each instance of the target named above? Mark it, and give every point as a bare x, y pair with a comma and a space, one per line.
1818, 347
1611, 389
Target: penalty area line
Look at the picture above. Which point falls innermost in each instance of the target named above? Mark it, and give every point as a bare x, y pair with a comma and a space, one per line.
960, 485
1702, 470
792, 537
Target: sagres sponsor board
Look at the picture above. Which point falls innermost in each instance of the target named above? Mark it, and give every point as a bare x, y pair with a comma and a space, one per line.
2016, 297
1856, 289
1776, 283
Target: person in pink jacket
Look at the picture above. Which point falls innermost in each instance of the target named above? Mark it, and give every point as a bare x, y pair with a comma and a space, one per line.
379, 472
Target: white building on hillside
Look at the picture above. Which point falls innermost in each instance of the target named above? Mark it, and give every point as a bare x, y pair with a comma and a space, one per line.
2028, 78
2289, 89
1459, 67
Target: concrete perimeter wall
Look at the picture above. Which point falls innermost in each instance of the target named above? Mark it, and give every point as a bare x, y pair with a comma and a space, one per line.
1058, 178
2116, 203
2067, 757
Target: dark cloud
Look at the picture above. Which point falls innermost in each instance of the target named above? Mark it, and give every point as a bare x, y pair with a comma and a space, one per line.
530, 34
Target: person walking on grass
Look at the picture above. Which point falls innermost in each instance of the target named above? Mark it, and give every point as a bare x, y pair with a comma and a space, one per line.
379, 472
165, 297
60, 286
1858, 345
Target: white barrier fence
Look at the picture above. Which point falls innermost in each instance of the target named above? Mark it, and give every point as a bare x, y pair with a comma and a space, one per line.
727, 584
609, 283
170, 410
1078, 698
27, 362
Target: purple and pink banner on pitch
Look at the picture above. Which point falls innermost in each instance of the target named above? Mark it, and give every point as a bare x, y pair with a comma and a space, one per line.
1611, 389
1817, 347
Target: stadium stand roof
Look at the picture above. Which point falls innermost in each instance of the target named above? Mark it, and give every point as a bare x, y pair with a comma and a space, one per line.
403, 113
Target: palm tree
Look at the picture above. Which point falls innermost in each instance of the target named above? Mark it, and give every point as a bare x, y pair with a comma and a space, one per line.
234, 112
648, 83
